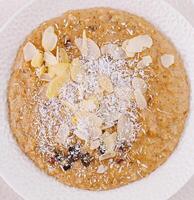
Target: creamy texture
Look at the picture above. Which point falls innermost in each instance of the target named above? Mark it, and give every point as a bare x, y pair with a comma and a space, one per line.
161, 115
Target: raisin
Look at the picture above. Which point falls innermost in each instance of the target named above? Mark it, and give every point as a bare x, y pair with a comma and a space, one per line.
86, 159
101, 149
66, 164
74, 152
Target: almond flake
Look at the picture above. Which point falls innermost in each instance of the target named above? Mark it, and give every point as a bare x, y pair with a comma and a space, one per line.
124, 127
37, 60
123, 93
145, 62
109, 141
40, 71
140, 99
76, 70
95, 133
49, 58
101, 169
87, 47
54, 86
63, 69
167, 60
114, 51
45, 77
29, 51
107, 156
105, 83
49, 39
139, 83
62, 56
51, 71
94, 144
137, 44
89, 105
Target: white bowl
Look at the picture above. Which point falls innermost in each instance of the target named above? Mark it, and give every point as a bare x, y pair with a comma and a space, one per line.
32, 184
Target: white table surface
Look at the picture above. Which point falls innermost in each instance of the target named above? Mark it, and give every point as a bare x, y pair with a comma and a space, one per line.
8, 7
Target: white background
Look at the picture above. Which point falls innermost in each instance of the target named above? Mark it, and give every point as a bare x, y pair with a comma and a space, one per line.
8, 7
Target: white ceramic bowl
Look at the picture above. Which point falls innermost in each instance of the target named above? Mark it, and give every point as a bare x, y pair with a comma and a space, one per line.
32, 184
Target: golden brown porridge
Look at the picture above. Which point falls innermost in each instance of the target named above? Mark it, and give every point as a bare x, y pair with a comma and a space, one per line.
98, 98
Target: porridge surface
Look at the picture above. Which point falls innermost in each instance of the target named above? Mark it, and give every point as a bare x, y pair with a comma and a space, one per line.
98, 98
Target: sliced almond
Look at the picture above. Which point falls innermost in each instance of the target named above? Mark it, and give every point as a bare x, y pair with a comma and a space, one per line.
88, 47
124, 127
63, 69
140, 99
49, 39
107, 156
114, 51
145, 62
89, 105
94, 144
54, 87
62, 56
49, 58
63, 133
137, 44
51, 71
76, 70
37, 60
45, 77
123, 93
109, 141
40, 71
29, 51
95, 133
101, 169
139, 83
105, 83
167, 60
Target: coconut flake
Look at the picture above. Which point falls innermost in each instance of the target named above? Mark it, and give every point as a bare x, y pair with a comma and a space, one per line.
49, 58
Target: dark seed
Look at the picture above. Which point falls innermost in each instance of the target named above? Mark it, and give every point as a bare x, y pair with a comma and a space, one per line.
74, 152
66, 164
101, 149
86, 159
58, 157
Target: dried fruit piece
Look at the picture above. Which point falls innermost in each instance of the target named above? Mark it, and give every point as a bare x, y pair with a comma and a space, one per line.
49, 39
145, 62
86, 159
139, 83
66, 164
105, 83
137, 44
87, 47
62, 56
49, 58
114, 51
74, 152
140, 99
29, 51
54, 86
76, 70
167, 60
37, 60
